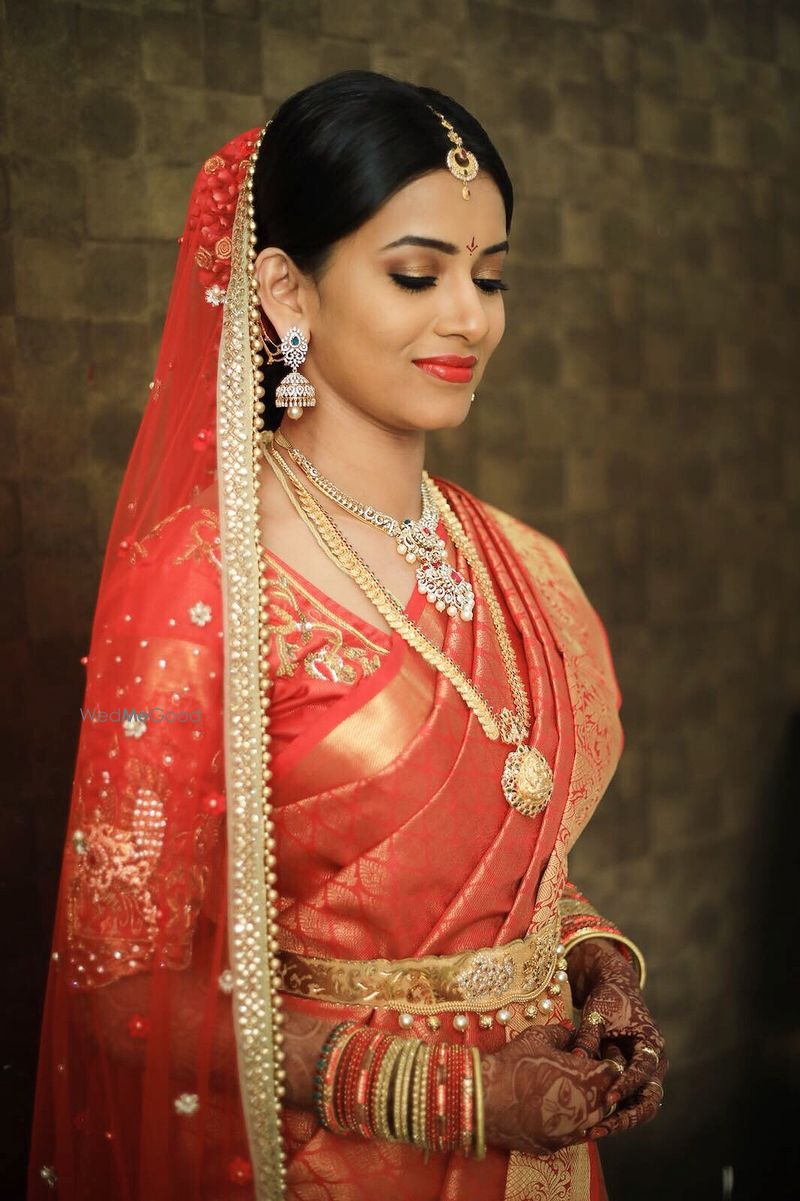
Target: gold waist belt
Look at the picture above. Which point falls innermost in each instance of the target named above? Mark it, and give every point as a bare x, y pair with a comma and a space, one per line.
477, 980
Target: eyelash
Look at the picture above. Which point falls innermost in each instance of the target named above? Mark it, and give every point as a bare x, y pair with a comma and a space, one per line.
418, 283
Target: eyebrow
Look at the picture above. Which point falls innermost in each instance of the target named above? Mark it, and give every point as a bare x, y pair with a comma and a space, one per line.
445, 247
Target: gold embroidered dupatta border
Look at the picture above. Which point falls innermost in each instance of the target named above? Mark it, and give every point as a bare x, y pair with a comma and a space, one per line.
250, 911
570, 1173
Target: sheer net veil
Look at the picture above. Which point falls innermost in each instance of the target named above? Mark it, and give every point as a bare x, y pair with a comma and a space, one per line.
160, 1060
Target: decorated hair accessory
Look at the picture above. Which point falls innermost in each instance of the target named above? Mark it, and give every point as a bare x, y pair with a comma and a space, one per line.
460, 162
212, 215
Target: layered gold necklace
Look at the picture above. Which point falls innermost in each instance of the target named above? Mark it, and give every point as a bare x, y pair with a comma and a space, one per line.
527, 780
416, 541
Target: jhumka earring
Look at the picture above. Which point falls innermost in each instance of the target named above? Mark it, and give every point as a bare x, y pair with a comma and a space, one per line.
294, 393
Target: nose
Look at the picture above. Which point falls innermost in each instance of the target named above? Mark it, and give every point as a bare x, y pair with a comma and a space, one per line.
462, 310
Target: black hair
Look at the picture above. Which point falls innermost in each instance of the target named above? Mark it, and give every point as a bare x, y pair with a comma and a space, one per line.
339, 149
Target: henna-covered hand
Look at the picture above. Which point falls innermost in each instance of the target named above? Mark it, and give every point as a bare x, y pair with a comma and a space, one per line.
539, 1098
617, 1024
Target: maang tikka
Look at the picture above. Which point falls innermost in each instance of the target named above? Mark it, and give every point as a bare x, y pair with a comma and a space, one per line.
461, 162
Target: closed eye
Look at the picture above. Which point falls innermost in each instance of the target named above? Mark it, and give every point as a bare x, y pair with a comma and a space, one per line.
418, 283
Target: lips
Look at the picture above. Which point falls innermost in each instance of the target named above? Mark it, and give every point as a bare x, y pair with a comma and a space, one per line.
455, 368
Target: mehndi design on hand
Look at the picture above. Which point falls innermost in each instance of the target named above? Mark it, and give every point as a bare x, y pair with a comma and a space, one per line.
606, 984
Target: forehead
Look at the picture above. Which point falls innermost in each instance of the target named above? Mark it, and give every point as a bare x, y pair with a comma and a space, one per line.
433, 206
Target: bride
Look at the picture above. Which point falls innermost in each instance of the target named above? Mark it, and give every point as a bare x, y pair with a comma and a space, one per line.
315, 937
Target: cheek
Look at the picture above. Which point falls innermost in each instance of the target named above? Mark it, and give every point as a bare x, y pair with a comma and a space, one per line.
498, 325
381, 333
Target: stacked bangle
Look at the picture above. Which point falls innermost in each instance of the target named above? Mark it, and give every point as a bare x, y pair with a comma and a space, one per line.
580, 920
380, 1085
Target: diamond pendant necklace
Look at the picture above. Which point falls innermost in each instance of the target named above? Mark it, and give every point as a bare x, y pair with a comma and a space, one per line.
441, 584
527, 779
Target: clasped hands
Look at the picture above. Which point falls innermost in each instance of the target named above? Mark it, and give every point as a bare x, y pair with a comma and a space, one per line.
550, 1086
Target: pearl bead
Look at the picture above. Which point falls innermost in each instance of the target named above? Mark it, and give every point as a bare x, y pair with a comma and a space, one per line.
503, 1016
561, 977
560, 949
545, 1005
406, 1020
461, 1021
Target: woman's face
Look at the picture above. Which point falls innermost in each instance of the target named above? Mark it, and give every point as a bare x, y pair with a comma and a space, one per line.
386, 301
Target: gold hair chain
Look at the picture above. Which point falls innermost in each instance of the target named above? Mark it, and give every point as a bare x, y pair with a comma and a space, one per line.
527, 780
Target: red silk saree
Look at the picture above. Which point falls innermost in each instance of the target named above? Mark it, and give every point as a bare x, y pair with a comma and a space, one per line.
394, 840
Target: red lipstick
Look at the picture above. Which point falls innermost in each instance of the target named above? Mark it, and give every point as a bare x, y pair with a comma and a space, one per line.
455, 368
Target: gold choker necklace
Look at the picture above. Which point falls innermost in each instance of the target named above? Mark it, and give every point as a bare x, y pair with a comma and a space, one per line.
527, 779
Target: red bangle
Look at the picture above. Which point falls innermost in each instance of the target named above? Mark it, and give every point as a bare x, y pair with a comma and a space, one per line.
347, 1078
373, 1054
455, 1095
340, 1039
437, 1077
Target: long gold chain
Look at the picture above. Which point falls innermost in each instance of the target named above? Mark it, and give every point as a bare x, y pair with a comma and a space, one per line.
460, 539
509, 727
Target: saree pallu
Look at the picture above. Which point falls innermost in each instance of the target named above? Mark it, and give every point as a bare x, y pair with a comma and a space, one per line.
394, 840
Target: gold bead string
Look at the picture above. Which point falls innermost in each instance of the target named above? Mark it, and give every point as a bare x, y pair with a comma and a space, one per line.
265, 682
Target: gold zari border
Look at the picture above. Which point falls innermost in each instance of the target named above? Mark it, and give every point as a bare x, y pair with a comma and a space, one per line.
482, 979
251, 910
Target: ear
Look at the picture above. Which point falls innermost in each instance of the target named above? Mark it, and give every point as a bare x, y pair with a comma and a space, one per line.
287, 295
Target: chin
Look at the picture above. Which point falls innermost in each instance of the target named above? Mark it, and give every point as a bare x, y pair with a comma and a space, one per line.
442, 416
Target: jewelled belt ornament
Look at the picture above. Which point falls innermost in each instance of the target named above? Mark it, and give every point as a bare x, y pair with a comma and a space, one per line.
531, 969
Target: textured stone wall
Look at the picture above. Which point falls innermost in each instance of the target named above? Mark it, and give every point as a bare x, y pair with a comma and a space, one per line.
641, 409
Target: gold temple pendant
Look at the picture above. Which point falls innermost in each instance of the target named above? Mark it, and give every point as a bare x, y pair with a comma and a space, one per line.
527, 780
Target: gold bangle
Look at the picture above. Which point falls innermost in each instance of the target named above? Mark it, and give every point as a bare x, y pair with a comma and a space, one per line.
420, 1095
398, 1090
478, 1113
582, 935
380, 1112
401, 1096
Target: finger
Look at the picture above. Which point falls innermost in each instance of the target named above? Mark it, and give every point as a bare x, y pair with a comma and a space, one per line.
641, 1111
589, 1035
651, 1093
643, 1066
611, 1051
554, 1035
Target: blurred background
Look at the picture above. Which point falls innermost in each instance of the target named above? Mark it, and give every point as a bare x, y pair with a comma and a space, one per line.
642, 410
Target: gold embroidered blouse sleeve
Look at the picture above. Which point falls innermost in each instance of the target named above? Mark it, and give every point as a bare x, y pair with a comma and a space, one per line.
308, 634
